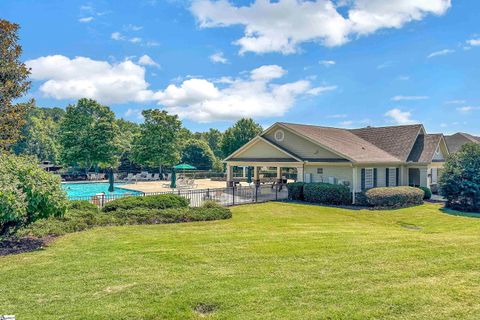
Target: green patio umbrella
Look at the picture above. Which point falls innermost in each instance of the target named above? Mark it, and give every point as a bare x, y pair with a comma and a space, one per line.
249, 174
184, 166
111, 181
173, 183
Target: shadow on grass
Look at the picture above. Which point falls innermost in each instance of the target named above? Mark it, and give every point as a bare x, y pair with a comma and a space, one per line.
461, 213
21, 245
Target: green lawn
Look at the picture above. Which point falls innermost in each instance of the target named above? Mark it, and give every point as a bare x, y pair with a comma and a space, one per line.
271, 261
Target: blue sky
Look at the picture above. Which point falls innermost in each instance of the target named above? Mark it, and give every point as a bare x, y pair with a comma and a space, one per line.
348, 63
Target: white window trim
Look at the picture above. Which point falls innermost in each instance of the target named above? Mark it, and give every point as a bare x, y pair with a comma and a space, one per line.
392, 177
279, 131
369, 185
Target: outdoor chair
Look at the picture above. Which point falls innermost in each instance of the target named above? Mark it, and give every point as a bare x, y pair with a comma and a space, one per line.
156, 177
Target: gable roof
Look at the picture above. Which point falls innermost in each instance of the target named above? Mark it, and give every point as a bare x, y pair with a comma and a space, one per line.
342, 142
457, 140
424, 148
395, 140
257, 139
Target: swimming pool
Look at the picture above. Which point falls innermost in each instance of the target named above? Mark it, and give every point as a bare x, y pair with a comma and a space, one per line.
87, 189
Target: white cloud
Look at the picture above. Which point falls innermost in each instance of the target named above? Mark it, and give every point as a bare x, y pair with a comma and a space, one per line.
133, 27
403, 78
282, 25
82, 77
218, 57
319, 90
455, 102
253, 95
120, 37
409, 98
327, 63
473, 42
135, 40
134, 113
337, 116
346, 123
400, 117
443, 52
117, 36
467, 109
146, 60
86, 19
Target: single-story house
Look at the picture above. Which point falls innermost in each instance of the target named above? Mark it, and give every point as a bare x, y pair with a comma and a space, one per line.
358, 158
457, 140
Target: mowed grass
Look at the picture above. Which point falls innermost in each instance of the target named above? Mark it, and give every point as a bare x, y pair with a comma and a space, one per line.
271, 261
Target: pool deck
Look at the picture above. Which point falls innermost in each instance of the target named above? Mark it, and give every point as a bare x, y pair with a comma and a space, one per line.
161, 186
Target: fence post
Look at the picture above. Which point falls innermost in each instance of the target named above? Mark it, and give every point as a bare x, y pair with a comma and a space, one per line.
256, 193
276, 193
233, 195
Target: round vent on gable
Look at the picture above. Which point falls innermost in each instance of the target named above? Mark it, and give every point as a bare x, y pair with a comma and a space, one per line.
279, 135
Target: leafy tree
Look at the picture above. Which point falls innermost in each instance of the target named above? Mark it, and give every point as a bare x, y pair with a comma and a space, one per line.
89, 135
234, 137
198, 154
129, 131
460, 180
40, 134
13, 85
214, 140
27, 193
158, 142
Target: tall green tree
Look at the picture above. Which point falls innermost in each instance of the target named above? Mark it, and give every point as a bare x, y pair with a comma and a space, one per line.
158, 142
13, 84
242, 131
197, 153
129, 131
460, 179
214, 140
89, 136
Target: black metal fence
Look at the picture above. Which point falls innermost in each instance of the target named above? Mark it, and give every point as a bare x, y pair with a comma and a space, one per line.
225, 196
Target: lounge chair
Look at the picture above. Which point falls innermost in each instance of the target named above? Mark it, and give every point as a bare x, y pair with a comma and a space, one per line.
156, 177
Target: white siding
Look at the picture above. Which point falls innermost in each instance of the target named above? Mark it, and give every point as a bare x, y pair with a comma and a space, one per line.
339, 173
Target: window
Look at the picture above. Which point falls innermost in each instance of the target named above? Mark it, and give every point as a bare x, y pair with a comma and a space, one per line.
369, 178
279, 135
319, 170
392, 177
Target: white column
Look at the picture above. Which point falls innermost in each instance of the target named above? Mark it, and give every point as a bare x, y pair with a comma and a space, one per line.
255, 174
354, 183
244, 172
424, 177
300, 174
279, 174
229, 175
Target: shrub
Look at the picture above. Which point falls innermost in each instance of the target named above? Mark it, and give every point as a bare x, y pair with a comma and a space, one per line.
76, 220
394, 197
163, 201
427, 193
27, 193
82, 205
211, 204
295, 190
460, 180
327, 193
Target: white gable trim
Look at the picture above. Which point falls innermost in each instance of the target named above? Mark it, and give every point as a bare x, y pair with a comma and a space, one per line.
254, 141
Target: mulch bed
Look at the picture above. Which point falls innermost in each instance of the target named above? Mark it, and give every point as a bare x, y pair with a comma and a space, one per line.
21, 245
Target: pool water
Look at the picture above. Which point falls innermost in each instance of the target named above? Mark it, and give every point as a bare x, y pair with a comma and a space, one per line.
90, 189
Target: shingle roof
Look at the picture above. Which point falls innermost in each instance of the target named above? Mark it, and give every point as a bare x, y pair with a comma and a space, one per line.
343, 142
395, 140
457, 140
424, 148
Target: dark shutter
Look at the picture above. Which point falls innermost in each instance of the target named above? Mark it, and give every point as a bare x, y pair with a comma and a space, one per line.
397, 176
387, 176
374, 177
363, 179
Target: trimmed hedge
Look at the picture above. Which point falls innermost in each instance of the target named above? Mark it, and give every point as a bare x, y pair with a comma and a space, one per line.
394, 197
327, 193
162, 201
427, 193
295, 190
82, 205
76, 220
